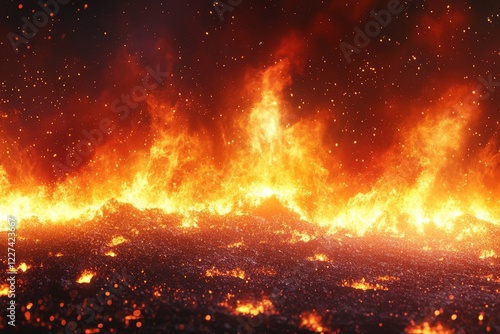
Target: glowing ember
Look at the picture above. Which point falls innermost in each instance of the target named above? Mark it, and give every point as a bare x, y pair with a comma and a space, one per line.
426, 328
110, 253
312, 321
117, 241
235, 245
388, 278
23, 267
265, 307
319, 257
300, 237
237, 273
4, 290
85, 277
488, 254
363, 285
136, 315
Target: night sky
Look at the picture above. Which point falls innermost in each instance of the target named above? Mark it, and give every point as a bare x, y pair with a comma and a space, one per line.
64, 79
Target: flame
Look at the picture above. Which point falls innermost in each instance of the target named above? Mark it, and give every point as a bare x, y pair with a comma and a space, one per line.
267, 151
237, 273
85, 277
363, 285
4, 290
426, 328
110, 253
265, 307
117, 241
312, 321
388, 278
235, 245
319, 257
23, 267
488, 254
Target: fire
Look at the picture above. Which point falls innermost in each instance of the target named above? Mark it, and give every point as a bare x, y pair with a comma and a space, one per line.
237, 273
4, 290
388, 278
23, 267
312, 321
85, 277
319, 257
264, 307
363, 285
487, 254
267, 151
235, 245
117, 241
426, 328
110, 253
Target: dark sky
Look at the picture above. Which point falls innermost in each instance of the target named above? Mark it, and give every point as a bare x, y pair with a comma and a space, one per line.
90, 52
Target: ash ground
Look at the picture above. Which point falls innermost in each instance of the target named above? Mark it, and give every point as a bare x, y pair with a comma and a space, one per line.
303, 277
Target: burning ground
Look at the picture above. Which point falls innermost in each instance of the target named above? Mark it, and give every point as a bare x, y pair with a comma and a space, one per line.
268, 272
175, 172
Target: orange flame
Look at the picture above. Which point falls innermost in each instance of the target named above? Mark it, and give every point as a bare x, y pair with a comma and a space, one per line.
4, 290
426, 328
266, 152
265, 307
312, 321
363, 285
237, 273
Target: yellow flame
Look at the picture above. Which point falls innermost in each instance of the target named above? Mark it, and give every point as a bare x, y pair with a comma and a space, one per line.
237, 273
487, 254
23, 267
319, 257
363, 285
110, 253
426, 328
4, 290
420, 181
265, 307
117, 241
312, 321
85, 277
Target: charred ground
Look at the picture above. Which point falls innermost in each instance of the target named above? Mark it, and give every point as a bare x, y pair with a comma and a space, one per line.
196, 280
